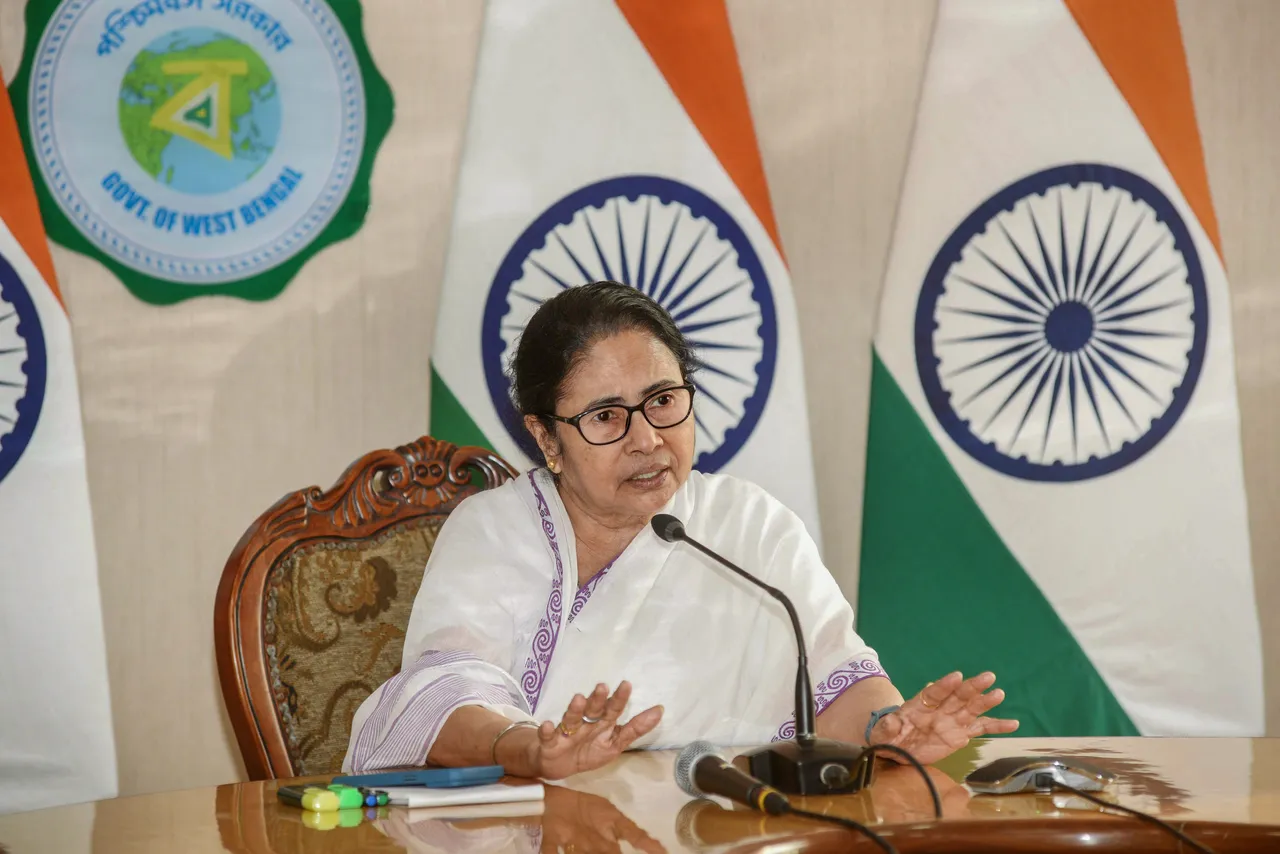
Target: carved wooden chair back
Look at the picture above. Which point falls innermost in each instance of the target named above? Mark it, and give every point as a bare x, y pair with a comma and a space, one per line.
313, 603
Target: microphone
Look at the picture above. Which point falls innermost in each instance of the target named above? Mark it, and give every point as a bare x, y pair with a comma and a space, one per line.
701, 773
808, 765
671, 529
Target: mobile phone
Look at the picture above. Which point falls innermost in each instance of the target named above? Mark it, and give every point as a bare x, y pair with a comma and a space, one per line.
432, 778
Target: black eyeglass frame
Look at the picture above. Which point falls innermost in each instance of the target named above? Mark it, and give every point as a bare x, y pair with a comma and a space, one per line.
575, 420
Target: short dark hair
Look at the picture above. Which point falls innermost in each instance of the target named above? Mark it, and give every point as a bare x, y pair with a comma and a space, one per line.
564, 327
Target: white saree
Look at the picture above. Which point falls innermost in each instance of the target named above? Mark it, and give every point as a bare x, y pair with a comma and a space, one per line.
500, 622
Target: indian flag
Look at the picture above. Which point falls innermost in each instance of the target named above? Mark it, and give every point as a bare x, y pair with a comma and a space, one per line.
1054, 482
613, 141
56, 742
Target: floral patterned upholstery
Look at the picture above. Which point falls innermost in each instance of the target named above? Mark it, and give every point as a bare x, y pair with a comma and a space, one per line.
334, 625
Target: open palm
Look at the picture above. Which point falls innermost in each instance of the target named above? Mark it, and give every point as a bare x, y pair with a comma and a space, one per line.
943, 717
589, 735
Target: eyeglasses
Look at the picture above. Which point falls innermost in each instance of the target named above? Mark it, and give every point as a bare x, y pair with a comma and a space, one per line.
604, 425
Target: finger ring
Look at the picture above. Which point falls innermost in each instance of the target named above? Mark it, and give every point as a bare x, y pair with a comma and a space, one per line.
927, 704
587, 720
563, 731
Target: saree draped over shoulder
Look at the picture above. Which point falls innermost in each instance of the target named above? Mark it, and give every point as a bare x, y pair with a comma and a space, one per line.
501, 622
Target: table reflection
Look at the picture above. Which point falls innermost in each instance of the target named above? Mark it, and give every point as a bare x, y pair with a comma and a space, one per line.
634, 805
897, 797
567, 820
251, 822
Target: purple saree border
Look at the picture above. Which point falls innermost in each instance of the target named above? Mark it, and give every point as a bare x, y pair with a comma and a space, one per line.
544, 640
840, 680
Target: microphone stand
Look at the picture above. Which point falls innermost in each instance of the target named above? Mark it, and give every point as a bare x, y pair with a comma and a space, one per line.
807, 765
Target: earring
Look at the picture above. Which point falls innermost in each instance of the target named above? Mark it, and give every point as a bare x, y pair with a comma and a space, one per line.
553, 466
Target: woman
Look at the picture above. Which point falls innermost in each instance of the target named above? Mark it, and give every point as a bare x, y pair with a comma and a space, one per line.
554, 583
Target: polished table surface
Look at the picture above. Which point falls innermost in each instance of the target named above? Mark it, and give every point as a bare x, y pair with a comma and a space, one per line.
1199, 784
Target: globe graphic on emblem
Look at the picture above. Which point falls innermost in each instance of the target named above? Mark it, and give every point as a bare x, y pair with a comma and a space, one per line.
199, 111
1062, 327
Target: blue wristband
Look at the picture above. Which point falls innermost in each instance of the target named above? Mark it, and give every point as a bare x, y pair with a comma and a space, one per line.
875, 719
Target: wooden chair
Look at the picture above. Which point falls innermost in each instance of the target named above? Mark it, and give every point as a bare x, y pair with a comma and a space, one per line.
314, 601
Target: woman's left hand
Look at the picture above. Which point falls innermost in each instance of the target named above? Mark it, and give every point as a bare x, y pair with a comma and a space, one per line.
943, 717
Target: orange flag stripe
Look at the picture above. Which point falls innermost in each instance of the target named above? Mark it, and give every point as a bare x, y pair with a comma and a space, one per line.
1139, 42
691, 43
18, 206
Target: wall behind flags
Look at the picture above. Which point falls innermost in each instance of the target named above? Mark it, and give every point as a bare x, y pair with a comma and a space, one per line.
200, 415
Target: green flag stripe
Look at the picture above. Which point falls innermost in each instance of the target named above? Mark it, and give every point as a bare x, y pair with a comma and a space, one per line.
939, 590
449, 420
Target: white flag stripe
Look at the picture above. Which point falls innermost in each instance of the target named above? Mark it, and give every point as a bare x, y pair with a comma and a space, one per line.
580, 163
57, 745
1149, 565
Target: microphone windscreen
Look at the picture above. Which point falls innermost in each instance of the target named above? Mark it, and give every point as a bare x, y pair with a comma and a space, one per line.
687, 761
668, 527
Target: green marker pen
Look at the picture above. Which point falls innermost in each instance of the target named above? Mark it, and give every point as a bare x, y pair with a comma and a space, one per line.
348, 797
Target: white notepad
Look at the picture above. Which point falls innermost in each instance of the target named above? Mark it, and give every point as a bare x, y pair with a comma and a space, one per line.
494, 793
462, 812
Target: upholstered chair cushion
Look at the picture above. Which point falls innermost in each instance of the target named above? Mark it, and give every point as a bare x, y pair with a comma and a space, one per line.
335, 619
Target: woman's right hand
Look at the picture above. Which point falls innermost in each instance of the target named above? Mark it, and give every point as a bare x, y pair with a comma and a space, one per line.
589, 735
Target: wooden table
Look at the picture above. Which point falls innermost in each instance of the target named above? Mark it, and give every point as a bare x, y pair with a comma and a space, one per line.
1197, 783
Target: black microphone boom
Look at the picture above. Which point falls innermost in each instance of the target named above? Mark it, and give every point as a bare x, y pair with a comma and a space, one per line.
809, 765
671, 529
